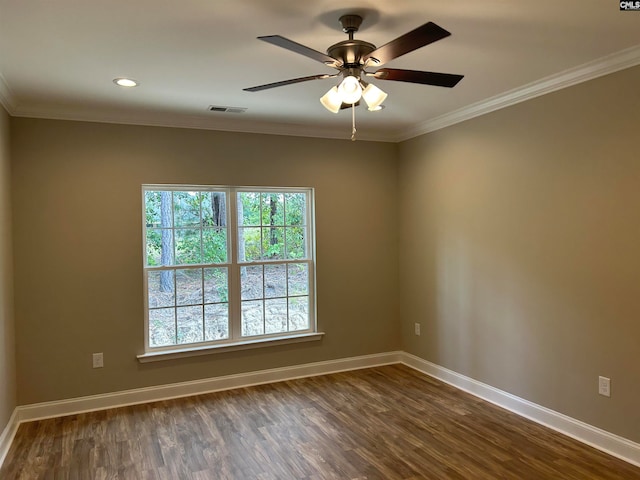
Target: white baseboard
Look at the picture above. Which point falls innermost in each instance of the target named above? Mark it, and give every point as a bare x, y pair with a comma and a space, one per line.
72, 406
602, 440
597, 438
8, 435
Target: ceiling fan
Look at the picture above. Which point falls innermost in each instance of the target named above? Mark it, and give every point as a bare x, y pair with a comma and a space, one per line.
353, 57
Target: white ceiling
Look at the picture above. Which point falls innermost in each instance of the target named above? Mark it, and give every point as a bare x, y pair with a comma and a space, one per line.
58, 59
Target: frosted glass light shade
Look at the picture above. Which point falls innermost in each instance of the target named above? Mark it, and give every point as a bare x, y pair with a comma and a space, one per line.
332, 100
373, 96
350, 90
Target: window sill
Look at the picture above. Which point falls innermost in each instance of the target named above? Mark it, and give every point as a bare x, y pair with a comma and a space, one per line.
229, 347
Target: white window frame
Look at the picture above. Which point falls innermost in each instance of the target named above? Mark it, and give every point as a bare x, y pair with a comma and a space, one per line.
235, 341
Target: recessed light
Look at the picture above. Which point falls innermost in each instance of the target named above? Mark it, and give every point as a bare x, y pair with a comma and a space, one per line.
125, 82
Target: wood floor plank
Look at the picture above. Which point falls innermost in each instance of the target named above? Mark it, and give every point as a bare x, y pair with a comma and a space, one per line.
381, 423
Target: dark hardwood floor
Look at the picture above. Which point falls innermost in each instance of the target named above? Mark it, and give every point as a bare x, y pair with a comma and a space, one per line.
381, 423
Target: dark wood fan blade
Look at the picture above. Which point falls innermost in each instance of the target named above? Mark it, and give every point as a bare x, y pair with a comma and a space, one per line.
287, 82
413, 76
421, 36
285, 43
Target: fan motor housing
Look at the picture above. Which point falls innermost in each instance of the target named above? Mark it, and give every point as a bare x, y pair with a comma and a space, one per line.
350, 52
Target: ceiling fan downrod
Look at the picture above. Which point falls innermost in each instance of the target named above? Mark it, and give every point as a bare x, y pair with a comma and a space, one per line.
350, 53
350, 24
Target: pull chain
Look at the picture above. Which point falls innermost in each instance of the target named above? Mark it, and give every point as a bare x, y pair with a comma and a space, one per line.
353, 122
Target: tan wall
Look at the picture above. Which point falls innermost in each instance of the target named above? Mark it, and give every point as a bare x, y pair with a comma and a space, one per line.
520, 249
78, 252
7, 337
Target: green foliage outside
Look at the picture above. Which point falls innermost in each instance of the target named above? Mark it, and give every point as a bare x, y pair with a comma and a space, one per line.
271, 224
196, 236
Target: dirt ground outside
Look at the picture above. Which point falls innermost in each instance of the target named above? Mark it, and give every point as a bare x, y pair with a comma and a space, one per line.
275, 299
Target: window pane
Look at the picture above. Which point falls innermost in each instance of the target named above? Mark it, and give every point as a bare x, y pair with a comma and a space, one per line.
214, 209
275, 315
295, 246
298, 313
252, 319
249, 209
295, 208
249, 244
154, 247
206, 211
187, 246
251, 282
159, 247
152, 209
160, 288
216, 322
158, 220
162, 327
216, 285
298, 278
275, 281
272, 209
189, 324
273, 243
189, 286
214, 245
157, 206
186, 208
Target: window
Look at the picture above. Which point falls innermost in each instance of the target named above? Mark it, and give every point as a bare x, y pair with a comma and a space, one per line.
226, 265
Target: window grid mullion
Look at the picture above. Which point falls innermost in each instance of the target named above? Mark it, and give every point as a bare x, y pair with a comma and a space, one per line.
173, 231
284, 235
286, 292
175, 303
264, 304
235, 290
261, 227
201, 226
204, 334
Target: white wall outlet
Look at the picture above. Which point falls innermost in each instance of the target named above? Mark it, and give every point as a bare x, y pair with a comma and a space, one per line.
416, 328
604, 386
98, 360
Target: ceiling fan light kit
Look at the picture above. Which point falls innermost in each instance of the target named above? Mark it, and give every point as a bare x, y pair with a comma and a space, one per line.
349, 92
352, 58
374, 97
332, 100
350, 89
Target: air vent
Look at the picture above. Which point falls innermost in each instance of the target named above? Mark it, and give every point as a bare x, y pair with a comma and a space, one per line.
214, 108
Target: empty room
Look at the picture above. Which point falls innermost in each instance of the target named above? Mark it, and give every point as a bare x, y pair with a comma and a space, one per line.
268, 239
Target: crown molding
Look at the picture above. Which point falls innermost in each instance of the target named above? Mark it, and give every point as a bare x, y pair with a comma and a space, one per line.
6, 97
225, 124
621, 60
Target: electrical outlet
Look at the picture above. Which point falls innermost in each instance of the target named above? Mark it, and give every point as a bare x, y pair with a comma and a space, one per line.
604, 386
416, 328
98, 360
